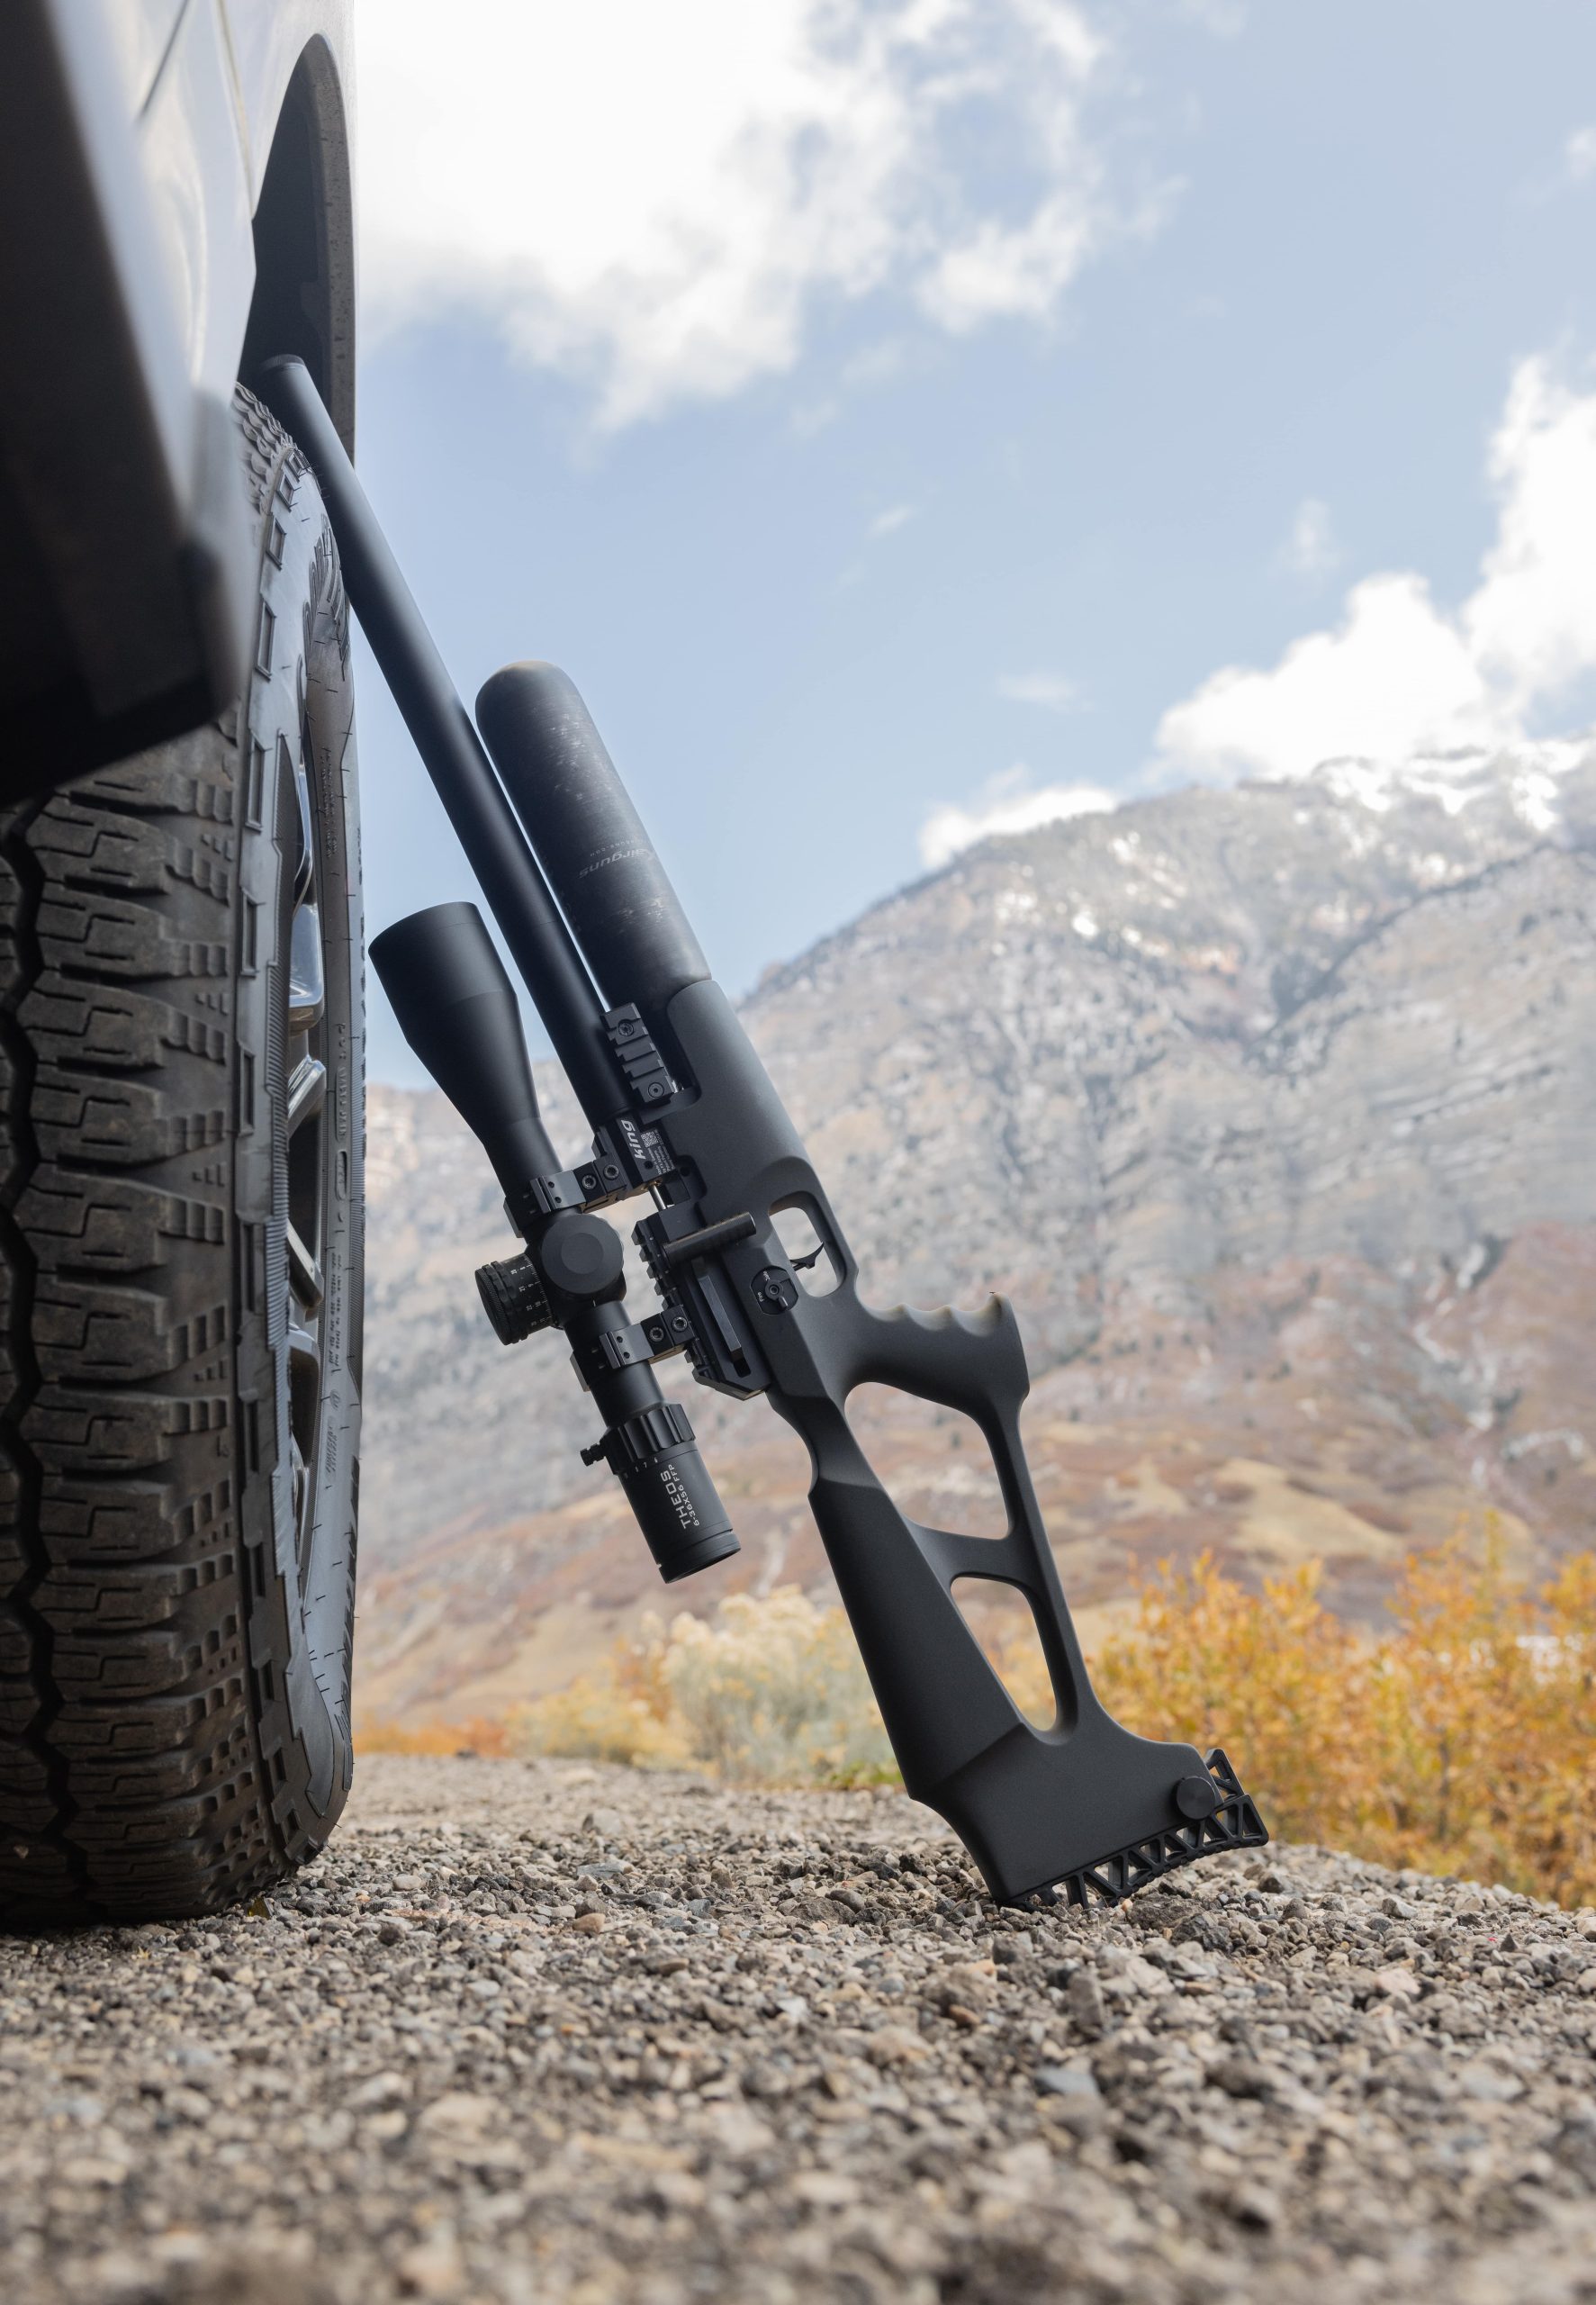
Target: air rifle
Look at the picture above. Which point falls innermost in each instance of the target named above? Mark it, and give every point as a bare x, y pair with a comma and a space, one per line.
682, 1111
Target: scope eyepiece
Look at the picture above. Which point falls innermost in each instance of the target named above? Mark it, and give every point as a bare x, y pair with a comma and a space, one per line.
654, 1457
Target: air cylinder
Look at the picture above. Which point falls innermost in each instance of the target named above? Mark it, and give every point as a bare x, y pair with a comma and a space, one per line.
589, 838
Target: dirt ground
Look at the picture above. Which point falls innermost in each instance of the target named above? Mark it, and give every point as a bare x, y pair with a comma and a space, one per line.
533, 2032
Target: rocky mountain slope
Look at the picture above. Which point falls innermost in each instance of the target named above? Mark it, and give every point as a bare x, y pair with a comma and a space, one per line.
1272, 1108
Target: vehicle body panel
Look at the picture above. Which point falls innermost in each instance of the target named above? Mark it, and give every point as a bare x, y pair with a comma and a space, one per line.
190, 140
207, 130
269, 39
175, 201
139, 34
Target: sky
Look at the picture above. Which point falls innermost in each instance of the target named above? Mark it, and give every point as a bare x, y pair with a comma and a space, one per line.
912, 419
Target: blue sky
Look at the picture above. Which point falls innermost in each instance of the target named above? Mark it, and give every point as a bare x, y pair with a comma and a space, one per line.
887, 408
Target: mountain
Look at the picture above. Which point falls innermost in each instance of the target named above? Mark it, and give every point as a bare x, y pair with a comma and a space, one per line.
1271, 1108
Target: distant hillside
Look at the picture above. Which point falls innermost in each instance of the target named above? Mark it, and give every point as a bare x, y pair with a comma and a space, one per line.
1273, 1109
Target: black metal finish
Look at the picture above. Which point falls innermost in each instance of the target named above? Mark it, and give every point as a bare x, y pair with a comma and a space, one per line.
1035, 1807
588, 837
1229, 1820
694, 1246
653, 1455
647, 1075
514, 1298
582, 1258
452, 753
458, 1012
455, 1006
1083, 1804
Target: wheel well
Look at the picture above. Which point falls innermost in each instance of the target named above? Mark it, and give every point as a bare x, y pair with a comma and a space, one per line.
304, 241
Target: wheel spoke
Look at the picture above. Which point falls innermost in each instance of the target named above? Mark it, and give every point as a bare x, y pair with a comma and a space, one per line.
305, 863
304, 1279
307, 983
296, 1462
305, 1133
306, 1091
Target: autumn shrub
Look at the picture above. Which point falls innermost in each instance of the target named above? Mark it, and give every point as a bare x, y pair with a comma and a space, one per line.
490, 1740
1272, 1678
1483, 1726
1462, 1739
771, 1692
623, 1712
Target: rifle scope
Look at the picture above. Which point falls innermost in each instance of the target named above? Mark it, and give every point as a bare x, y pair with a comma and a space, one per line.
455, 1008
458, 1012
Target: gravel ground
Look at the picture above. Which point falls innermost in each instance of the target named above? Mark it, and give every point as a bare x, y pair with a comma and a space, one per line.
546, 2032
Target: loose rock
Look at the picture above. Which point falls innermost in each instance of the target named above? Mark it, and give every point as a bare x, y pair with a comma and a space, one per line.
532, 2031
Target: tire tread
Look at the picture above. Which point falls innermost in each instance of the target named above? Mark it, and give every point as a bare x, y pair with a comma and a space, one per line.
133, 1780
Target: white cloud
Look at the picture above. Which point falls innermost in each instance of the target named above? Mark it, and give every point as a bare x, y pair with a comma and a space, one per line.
1579, 156
1006, 804
1008, 271
1532, 623
1052, 690
864, 371
655, 199
1311, 549
1393, 678
1225, 19
1398, 675
885, 523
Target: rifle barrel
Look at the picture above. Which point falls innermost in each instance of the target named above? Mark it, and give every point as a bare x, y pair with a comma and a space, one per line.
453, 753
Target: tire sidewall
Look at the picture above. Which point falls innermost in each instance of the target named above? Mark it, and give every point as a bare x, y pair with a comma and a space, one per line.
299, 696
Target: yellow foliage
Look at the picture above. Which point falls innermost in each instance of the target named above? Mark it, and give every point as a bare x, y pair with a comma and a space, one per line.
1272, 1678
623, 1714
1482, 1716
1463, 1741
489, 1740
772, 1693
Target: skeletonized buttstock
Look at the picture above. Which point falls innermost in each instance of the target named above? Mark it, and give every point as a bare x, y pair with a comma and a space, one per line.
1084, 1803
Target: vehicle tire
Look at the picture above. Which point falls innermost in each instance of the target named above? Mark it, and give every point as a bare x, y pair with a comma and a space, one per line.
181, 1111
